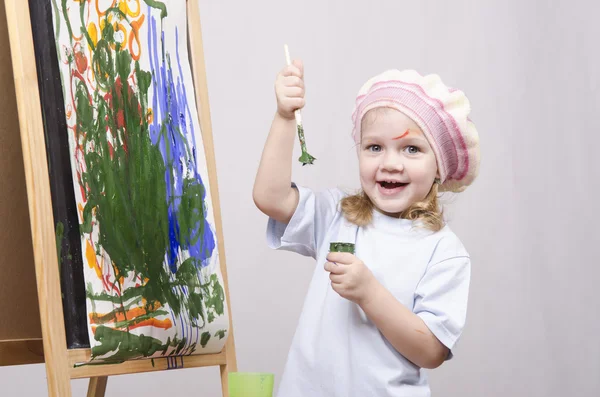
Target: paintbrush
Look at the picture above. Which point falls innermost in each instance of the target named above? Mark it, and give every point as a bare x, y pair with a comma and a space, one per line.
305, 158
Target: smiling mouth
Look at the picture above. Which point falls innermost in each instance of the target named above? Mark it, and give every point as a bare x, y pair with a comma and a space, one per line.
391, 185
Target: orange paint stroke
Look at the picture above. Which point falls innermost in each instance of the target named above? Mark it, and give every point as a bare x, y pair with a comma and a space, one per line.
130, 314
79, 205
164, 324
401, 136
96, 318
150, 116
134, 35
152, 322
90, 255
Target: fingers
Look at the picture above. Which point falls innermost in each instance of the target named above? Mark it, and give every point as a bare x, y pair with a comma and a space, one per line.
289, 89
341, 257
293, 91
336, 278
290, 86
335, 268
292, 81
293, 70
300, 65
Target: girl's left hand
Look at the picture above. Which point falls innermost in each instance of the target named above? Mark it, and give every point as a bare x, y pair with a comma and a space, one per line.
349, 276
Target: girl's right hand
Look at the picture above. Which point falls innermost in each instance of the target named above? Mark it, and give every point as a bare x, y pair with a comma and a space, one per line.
289, 90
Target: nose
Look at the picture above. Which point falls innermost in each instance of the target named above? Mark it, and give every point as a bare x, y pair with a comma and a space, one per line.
392, 162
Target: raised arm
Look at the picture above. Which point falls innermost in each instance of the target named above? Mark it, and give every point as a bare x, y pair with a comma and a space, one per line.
272, 192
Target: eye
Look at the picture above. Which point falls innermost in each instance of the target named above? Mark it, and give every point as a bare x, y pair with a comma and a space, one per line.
412, 149
374, 148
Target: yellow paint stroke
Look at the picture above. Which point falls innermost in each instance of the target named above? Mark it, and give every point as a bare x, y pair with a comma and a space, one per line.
136, 13
90, 255
120, 27
102, 13
93, 32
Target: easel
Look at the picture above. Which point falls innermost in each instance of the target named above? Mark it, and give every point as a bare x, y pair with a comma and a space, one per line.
51, 347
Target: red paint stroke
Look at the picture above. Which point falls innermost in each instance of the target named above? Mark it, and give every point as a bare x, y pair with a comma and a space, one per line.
401, 136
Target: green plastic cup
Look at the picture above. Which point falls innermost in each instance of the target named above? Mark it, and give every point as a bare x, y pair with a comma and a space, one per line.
251, 384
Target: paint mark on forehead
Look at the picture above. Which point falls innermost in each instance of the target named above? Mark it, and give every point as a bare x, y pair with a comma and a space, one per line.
401, 136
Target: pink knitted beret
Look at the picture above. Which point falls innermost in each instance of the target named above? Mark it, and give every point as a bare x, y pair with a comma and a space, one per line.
441, 112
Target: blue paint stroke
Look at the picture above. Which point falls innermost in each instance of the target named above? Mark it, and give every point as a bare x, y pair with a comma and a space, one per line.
169, 130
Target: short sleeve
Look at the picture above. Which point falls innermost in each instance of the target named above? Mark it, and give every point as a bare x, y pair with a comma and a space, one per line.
306, 229
441, 298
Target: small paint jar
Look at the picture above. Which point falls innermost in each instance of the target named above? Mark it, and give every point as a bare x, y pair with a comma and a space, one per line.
341, 247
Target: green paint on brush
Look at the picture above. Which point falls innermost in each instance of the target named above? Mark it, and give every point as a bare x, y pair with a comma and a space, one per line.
305, 158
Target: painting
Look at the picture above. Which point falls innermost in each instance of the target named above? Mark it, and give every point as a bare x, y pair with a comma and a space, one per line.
142, 225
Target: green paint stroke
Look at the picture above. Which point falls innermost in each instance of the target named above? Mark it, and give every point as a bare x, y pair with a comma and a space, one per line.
60, 234
128, 346
204, 338
159, 5
215, 298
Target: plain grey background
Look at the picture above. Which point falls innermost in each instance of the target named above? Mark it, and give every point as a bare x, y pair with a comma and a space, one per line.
532, 72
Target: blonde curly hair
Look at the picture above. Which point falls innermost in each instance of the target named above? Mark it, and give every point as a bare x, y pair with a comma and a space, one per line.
358, 209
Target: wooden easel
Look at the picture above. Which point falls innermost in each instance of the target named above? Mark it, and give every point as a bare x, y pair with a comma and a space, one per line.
51, 348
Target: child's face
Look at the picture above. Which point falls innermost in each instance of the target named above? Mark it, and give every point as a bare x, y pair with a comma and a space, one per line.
397, 165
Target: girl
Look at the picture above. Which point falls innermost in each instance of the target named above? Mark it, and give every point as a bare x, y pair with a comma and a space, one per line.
371, 321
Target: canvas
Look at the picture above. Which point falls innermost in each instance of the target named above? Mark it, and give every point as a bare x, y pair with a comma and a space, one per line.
153, 285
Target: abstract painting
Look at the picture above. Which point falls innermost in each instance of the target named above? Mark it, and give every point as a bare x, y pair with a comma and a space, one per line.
153, 285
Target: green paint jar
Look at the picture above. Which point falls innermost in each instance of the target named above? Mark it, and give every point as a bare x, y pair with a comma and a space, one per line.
341, 247
250, 384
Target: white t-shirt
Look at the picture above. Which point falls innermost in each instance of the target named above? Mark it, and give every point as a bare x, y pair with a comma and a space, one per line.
336, 350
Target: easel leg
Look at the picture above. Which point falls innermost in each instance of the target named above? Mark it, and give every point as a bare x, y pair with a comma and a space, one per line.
231, 365
225, 380
97, 386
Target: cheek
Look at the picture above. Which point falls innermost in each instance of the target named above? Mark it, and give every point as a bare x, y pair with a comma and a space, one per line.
426, 171
367, 168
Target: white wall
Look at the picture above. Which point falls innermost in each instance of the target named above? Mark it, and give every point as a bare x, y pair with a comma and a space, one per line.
532, 72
